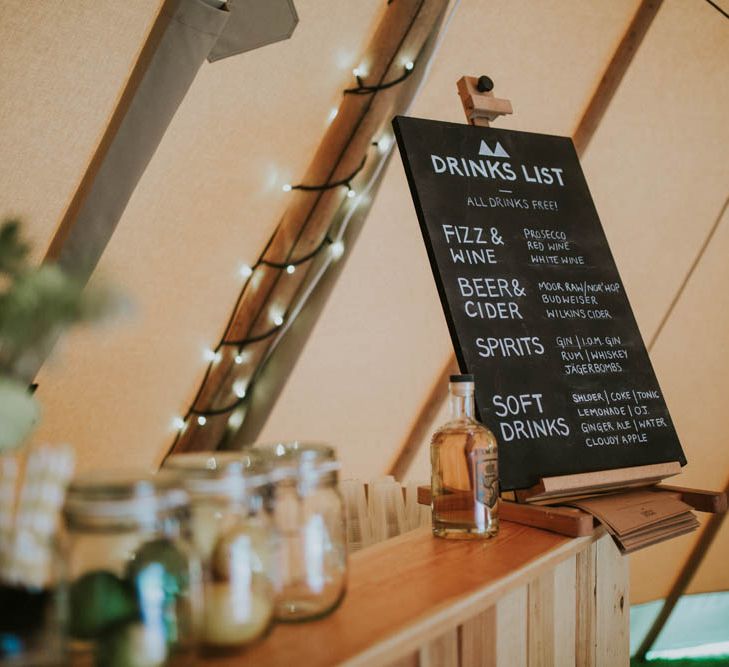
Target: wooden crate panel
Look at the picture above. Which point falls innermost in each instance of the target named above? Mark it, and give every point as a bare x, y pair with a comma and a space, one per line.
511, 626
441, 652
478, 640
612, 606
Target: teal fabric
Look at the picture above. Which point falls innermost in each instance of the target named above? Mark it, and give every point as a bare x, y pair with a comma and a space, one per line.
699, 625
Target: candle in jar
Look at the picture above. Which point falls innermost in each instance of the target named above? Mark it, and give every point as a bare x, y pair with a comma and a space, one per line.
235, 617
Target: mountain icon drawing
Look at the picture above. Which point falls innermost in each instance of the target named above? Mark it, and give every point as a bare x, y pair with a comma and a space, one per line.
497, 152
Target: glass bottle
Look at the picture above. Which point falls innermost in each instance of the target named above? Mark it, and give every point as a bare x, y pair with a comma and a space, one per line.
308, 512
464, 465
235, 538
134, 595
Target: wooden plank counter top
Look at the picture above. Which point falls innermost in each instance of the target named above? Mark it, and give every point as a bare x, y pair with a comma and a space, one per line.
408, 591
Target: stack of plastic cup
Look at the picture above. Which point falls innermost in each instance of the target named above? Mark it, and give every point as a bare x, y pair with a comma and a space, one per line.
355, 508
387, 509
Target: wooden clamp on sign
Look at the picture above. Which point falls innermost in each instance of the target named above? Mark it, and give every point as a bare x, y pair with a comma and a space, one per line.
478, 100
580, 484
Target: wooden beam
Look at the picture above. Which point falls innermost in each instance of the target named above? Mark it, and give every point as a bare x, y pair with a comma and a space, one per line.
405, 28
149, 48
614, 73
162, 73
583, 133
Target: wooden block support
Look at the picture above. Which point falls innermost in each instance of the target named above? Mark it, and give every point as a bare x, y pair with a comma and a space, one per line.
563, 520
576, 523
595, 482
480, 107
713, 502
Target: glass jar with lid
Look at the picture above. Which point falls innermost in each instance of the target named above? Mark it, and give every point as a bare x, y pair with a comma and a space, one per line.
309, 514
235, 538
134, 595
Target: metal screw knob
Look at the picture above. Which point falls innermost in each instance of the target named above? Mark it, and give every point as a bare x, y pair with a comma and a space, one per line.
485, 84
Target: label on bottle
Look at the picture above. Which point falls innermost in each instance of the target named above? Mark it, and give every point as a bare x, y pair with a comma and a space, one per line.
486, 477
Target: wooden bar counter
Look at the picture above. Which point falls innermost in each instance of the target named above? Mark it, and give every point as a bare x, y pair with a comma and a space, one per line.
526, 597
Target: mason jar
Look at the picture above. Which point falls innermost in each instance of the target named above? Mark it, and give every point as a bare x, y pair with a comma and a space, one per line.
309, 514
235, 538
134, 595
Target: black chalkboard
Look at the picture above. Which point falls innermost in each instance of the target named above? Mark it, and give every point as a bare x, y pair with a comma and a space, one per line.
534, 302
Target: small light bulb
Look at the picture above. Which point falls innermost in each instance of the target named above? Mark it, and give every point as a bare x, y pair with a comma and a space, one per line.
336, 249
278, 320
239, 389
212, 355
351, 193
178, 423
286, 187
246, 271
356, 71
238, 359
383, 144
409, 65
202, 420
236, 419
333, 114
290, 269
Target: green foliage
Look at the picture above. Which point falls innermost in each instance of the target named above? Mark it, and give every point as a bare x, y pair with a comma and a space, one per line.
13, 251
37, 303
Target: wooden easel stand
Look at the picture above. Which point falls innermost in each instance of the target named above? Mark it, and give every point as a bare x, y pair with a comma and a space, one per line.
481, 107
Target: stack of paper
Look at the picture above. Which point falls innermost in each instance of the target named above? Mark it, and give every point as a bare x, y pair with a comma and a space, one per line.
640, 518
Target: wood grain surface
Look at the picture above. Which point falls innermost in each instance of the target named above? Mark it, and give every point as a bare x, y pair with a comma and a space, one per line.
407, 594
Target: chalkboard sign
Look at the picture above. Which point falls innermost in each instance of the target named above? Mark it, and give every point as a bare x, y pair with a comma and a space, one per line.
534, 302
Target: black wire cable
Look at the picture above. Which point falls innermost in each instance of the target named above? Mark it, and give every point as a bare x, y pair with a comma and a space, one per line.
333, 184
215, 412
718, 9
296, 262
362, 89
242, 342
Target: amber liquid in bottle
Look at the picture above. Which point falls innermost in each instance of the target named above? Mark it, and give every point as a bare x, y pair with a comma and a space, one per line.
464, 463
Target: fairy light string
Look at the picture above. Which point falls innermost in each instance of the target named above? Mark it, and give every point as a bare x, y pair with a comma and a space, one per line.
292, 264
280, 322
331, 185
